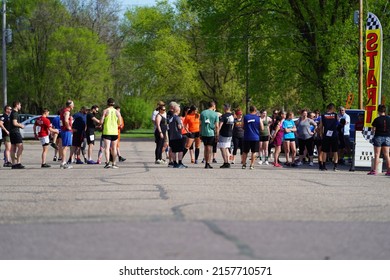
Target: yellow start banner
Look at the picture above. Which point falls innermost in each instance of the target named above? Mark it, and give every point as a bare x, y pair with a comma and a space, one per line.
374, 67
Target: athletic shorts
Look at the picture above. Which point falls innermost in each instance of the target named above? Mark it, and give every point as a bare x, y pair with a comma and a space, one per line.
16, 138
193, 135
208, 140
224, 142
381, 141
251, 146
330, 144
110, 137
347, 141
66, 137
318, 142
264, 138
78, 139
176, 145
90, 135
44, 140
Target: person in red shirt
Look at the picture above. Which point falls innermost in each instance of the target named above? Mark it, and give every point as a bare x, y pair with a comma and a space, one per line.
359, 123
45, 128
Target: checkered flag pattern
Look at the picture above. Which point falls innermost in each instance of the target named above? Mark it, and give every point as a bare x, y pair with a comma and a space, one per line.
373, 22
367, 134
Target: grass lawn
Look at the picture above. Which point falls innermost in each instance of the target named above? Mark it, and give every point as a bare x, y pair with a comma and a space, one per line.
138, 133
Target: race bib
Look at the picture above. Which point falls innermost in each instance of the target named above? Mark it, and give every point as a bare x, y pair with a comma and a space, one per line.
329, 133
91, 137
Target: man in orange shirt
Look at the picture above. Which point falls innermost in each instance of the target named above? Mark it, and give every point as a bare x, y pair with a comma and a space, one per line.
192, 123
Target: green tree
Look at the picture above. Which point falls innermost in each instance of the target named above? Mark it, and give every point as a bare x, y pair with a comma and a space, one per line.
78, 66
33, 23
157, 58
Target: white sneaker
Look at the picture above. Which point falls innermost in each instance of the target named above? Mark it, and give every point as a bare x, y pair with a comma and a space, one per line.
266, 162
159, 161
65, 166
311, 163
299, 163
260, 162
114, 166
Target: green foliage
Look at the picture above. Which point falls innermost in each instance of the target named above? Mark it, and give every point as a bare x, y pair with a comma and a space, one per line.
136, 112
78, 66
158, 57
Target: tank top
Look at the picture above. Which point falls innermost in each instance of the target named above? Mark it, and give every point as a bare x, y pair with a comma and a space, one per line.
110, 123
163, 124
62, 119
265, 131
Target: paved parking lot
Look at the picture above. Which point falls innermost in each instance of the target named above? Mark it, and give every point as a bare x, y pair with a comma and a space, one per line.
148, 211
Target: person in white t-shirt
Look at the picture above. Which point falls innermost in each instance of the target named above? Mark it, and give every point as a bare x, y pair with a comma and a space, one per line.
347, 150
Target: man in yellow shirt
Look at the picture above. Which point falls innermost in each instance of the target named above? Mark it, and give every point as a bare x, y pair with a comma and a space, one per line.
111, 119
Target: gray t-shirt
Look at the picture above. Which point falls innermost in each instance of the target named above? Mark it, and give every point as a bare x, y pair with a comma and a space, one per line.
174, 131
303, 128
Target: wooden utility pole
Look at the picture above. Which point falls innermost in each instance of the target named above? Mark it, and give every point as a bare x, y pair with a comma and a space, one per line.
361, 43
4, 52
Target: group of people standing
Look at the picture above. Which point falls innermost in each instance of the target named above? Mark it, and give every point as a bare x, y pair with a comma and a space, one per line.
176, 131
65, 132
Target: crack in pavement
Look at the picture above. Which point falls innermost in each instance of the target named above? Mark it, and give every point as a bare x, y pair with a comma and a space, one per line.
243, 249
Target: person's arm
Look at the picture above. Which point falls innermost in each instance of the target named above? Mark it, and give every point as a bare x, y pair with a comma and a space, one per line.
95, 120
122, 126
275, 133
285, 128
200, 125
157, 121
119, 116
293, 129
261, 125
179, 123
66, 120
3, 127
34, 130
321, 129
216, 127
15, 123
373, 128
269, 125
103, 116
53, 130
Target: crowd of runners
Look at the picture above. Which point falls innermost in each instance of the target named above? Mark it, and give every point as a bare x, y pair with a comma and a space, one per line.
71, 136
179, 131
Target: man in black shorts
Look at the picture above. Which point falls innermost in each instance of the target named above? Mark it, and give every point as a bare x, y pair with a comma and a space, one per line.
176, 138
16, 137
329, 135
78, 126
92, 121
5, 124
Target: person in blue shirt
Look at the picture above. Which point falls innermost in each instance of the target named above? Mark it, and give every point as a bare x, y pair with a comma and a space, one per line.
289, 139
79, 126
252, 126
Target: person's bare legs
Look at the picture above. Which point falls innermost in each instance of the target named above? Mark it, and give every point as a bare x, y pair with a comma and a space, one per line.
386, 157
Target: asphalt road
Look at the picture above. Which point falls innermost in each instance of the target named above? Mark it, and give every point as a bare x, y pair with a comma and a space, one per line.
148, 211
